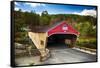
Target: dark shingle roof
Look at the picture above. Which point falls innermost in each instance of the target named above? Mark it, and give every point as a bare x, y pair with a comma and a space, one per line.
43, 28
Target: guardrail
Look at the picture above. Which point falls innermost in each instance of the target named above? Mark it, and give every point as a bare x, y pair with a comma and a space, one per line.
87, 49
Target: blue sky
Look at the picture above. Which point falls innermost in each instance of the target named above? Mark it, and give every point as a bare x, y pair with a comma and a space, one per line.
55, 8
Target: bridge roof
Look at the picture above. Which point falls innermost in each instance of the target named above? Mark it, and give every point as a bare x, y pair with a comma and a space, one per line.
57, 28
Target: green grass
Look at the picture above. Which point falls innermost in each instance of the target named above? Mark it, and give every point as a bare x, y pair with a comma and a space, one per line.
87, 42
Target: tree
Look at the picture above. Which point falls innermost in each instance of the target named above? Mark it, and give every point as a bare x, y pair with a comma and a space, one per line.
32, 18
45, 18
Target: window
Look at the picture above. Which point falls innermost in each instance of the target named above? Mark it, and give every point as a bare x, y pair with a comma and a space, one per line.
42, 42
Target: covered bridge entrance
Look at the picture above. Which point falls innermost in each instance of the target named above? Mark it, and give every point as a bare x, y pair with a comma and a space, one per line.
58, 32
61, 41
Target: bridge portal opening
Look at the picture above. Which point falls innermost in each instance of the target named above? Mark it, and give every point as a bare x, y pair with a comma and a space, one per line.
60, 40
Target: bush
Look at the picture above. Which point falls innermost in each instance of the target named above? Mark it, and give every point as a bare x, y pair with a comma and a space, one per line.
87, 42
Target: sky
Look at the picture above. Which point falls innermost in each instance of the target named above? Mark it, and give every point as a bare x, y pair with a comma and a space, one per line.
56, 8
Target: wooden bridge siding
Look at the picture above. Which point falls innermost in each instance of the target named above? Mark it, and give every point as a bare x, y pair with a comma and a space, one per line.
37, 38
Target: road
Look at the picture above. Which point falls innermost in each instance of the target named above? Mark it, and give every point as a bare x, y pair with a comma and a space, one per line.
69, 56
61, 54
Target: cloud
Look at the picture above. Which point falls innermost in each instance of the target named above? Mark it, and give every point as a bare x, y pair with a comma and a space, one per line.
16, 9
87, 12
23, 10
16, 3
35, 4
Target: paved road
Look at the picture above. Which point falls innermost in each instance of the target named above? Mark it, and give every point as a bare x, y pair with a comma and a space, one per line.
60, 54
69, 56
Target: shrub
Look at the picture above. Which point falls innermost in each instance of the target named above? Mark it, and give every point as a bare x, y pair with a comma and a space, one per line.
87, 42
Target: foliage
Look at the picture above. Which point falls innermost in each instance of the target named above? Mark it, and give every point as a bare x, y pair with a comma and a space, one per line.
86, 25
87, 42
45, 18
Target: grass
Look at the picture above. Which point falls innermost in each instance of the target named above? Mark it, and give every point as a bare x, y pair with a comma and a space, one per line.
87, 42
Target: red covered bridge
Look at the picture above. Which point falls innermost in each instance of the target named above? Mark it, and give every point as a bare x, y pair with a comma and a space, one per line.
58, 31
62, 28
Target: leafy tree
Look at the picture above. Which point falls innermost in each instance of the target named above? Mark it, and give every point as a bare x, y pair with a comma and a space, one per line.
86, 25
45, 18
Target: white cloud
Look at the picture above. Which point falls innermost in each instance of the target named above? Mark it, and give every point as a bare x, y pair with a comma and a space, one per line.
16, 3
35, 4
43, 4
16, 9
87, 12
